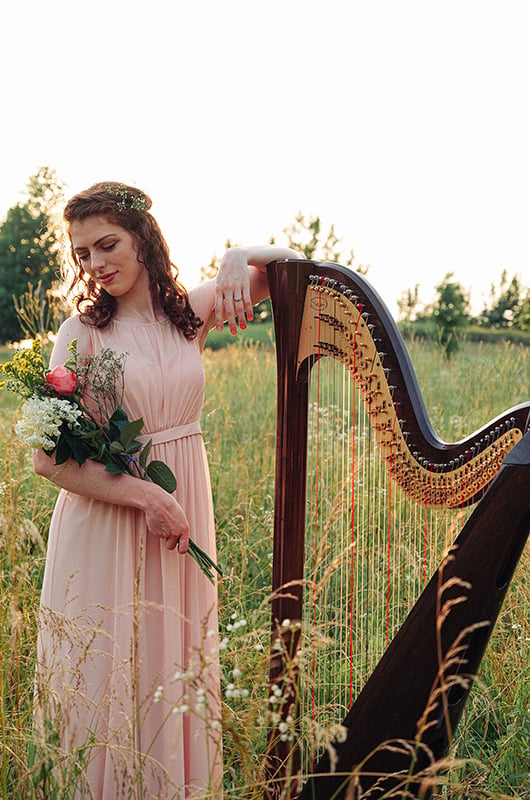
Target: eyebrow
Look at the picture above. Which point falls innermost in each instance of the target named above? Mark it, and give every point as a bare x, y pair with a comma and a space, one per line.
98, 241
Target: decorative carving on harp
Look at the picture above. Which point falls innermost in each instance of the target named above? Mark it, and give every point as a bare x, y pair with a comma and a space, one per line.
398, 720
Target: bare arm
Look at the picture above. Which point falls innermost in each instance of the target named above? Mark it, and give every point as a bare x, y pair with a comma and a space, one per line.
164, 516
240, 283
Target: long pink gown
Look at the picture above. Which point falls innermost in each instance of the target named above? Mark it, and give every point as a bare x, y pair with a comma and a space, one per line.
127, 665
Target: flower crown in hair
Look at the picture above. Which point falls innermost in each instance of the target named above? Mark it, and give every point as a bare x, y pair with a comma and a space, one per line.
125, 202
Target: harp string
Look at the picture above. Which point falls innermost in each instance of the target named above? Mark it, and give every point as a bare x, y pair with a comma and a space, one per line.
369, 555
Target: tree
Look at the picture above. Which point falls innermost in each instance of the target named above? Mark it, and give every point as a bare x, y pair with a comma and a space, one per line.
504, 303
450, 313
522, 320
305, 235
29, 247
409, 304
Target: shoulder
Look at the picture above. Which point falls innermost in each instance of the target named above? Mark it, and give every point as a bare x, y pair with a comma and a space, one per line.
72, 328
202, 301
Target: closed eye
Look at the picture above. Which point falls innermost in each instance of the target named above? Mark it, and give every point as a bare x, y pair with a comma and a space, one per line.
83, 256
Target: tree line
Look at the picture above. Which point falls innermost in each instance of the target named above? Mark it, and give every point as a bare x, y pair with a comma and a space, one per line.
31, 255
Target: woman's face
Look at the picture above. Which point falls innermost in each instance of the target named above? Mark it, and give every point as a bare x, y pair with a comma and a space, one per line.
109, 255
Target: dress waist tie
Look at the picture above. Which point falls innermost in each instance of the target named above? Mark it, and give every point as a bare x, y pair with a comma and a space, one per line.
170, 434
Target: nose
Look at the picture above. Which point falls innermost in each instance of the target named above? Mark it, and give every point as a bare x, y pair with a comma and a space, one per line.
97, 261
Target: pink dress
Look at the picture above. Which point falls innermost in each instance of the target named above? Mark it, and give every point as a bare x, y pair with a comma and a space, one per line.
127, 664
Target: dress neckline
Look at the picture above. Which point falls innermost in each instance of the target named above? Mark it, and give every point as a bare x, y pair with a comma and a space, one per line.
138, 322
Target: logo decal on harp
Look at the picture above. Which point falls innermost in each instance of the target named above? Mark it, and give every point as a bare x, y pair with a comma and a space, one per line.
318, 303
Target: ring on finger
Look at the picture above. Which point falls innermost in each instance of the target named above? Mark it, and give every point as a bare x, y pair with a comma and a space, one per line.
238, 299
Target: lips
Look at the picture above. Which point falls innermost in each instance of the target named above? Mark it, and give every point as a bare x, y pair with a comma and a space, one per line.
106, 278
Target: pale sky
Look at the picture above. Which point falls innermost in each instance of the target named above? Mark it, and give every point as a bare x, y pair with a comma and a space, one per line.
403, 122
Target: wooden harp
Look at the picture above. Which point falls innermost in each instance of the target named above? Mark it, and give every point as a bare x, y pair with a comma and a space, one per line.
400, 723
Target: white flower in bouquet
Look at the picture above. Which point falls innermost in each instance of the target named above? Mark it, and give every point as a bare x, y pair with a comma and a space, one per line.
41, 420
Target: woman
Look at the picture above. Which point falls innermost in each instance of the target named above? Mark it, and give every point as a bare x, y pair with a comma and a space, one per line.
127, 648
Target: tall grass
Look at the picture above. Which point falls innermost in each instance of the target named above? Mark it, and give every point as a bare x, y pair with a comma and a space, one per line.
239, 430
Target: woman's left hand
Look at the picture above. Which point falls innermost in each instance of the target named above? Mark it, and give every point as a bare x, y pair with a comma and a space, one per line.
232, 291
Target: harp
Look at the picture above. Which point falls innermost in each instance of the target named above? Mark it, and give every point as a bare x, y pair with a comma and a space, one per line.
398, 716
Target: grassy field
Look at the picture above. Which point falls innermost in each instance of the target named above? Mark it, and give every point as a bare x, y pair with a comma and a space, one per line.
490, 755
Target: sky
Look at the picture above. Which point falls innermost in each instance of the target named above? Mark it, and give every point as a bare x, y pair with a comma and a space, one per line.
404, 123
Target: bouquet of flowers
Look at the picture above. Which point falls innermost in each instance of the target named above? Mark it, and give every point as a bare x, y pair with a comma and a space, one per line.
74, 411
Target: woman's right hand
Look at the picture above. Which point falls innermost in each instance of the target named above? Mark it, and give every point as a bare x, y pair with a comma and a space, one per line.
165, 518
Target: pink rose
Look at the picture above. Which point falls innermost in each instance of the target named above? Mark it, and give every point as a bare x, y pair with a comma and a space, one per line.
62, 380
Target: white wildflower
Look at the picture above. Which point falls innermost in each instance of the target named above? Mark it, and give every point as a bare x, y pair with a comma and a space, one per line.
42, 417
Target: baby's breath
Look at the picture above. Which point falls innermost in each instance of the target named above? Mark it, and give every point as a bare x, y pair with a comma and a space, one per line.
124, 202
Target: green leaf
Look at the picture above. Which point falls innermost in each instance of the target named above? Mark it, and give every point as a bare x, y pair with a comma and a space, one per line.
116, 447
133, 448
129, 433
117, 422
144, 455
115, 469
160, 474
119, 418
63, 451
90, 434
78, 448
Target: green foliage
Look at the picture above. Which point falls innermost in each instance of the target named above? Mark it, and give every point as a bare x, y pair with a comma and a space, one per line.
505, 303
305, 235
239, 433
29, 247
40, 311
522, 320
408, 304
450, 314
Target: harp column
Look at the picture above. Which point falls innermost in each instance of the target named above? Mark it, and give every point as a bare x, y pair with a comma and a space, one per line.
289, 522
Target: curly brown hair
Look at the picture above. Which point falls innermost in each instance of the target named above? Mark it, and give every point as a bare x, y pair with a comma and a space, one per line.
128, 207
